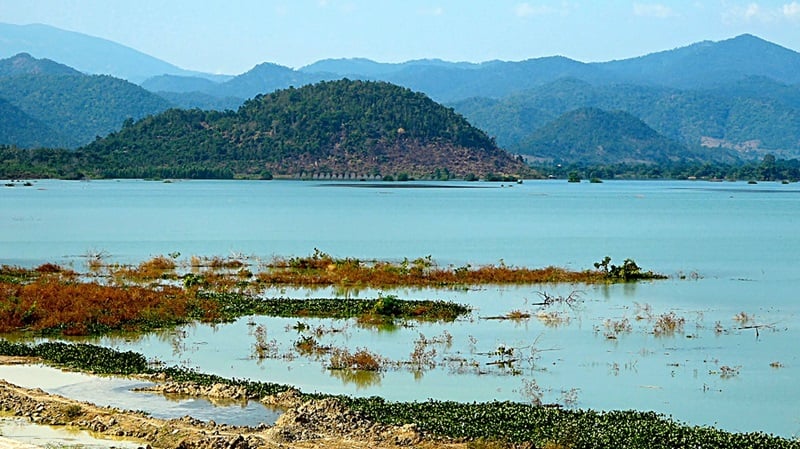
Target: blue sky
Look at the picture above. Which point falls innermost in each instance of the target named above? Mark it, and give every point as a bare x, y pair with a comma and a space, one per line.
232, 36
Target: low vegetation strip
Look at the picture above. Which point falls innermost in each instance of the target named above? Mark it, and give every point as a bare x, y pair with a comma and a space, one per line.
541, 426
491, 424
59, 305
54, 301
236, 304
323, 269
51, 299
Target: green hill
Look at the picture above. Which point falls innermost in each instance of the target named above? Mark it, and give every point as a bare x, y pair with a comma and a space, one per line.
19, 129
593, 136
25, 64
79, 107
339, 128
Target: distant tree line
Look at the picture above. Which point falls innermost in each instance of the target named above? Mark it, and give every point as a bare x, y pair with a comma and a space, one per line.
768, 169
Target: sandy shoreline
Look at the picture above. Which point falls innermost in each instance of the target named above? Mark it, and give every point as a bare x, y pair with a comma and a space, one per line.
7, 443
305, 424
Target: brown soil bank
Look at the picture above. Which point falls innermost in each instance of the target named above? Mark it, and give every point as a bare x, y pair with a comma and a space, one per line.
309, 424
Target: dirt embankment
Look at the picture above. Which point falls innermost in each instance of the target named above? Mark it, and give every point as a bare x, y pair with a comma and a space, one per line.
305, 424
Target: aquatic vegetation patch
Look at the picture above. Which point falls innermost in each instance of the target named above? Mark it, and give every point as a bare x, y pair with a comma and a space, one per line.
81, 357
234, 305
541, 426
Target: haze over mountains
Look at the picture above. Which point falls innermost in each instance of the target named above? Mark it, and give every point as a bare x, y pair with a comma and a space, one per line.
738, 97
88, 54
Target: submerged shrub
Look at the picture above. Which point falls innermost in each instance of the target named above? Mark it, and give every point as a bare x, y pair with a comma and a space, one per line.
628, 271
668, 324
362, 360
388, 306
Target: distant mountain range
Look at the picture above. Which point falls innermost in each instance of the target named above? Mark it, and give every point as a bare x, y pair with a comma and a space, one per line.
749, 116
738, 97
88, 54
701, 65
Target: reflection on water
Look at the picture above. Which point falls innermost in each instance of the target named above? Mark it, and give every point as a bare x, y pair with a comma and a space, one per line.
360, 379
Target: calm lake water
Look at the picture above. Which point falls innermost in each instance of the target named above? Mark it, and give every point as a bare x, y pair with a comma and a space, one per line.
728, 247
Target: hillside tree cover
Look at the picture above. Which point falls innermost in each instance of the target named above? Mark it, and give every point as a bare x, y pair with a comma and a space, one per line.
594, 136
342, 129
769, 168
765, 115
330, 128
81, 108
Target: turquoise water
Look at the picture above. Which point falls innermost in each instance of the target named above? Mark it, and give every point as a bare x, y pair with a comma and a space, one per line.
736, 244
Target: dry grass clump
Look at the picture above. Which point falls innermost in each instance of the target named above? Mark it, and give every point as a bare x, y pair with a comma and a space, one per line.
552, 318
49, 268
361, 360
159, 267
743, 318
83, 308
668, 324
308, 345
517, 315
263, 348
18, 274
616, 327
217, 263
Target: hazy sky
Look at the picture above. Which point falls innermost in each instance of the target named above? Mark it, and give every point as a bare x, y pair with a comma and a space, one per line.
230, 36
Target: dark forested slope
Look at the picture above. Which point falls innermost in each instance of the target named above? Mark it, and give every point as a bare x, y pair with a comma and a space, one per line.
345, 128
594, 136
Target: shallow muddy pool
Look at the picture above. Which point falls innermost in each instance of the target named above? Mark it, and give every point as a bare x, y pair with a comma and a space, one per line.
23, 432
118, 392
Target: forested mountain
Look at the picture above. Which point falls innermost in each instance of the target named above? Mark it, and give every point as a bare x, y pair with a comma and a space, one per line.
592, 136
85, 53
82, 108
702, 65
709, 63
77, 107
697, 65
368, 68
339, 128
195, 92
201, 100
764, 116
22, 130
178, 84
265, 78
25, 64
